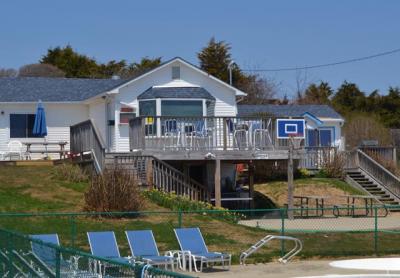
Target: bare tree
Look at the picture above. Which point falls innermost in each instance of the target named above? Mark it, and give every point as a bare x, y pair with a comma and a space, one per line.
301, 84
40, 70
8, 72
260, 90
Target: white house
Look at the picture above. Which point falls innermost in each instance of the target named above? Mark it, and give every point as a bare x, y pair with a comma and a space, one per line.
175, 88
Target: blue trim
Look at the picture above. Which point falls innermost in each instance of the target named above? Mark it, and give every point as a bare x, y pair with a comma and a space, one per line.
312, 117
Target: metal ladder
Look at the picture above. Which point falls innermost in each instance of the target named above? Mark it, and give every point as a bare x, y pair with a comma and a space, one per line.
287, 257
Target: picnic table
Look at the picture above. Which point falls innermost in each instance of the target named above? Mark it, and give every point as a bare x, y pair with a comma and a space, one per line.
61, 151
311, 203
352, 207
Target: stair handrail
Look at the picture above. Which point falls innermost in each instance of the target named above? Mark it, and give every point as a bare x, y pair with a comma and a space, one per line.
386, 178
85, 137
287, 257
188, 182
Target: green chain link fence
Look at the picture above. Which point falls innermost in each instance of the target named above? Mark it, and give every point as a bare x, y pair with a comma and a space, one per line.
22, 256
325, 232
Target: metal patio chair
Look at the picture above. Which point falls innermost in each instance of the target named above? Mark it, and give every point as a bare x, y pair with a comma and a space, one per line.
192, 243
143, 246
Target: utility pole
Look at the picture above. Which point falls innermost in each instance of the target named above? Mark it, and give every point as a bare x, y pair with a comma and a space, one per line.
290, 180
230, 65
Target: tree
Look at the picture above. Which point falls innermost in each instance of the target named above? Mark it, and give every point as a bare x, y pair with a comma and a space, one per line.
259, 90
389, 108
136, 69
72, 63
40, 70
215, 57
8, 72
349, 98
316, 94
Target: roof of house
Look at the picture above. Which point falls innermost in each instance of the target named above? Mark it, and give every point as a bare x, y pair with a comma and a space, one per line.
292, 110
32, 89
175, 92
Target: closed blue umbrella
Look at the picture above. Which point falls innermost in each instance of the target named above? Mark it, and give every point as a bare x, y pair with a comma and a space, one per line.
40, 127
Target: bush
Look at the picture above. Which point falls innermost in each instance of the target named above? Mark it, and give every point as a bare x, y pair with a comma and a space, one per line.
333, 162
115, 190
70, 172
181, 203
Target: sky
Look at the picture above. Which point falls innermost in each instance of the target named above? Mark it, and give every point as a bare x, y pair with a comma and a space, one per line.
262, 34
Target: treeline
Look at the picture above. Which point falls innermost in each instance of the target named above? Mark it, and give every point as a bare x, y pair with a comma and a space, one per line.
349, 100
215, 58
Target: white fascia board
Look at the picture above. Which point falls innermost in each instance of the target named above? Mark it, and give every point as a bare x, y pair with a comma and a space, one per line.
237, 92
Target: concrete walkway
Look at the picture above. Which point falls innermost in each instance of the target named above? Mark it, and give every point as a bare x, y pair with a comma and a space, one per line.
277, 270
327, 224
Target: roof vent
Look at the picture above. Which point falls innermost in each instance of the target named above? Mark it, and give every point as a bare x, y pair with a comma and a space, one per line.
176, 72
115, 77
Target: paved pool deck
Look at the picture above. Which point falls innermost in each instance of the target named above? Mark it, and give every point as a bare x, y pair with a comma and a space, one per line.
391, 222
277, 270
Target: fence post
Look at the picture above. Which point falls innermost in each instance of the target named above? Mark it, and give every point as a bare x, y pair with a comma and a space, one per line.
58, 263
376, 230
179, 218
282, 211
73, 230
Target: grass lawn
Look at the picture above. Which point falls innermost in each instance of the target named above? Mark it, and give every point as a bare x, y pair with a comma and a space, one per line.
37, 189
334, 188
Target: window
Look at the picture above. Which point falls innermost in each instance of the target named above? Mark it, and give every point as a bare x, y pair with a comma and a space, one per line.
189, 108
21, 126
319, 137
147, 108
126, 114
176, 73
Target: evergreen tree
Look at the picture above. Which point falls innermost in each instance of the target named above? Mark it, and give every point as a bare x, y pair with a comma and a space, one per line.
317, 94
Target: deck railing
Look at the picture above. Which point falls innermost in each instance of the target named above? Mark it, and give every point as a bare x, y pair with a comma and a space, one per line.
86, 138
204, 133
315, 158
162, 176
379, 173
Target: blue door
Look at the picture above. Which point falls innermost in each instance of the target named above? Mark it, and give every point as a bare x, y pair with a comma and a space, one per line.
312, 137
325, 136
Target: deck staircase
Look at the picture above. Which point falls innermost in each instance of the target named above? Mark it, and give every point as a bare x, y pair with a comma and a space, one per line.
152, 172
371, 187
371, 177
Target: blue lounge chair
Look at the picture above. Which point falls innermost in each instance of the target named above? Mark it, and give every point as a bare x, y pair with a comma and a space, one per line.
104, 244
144, 247
45, 257
192, 243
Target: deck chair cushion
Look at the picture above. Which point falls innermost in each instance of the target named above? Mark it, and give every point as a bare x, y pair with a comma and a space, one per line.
190, 239
45, 253
103, 244
142, 243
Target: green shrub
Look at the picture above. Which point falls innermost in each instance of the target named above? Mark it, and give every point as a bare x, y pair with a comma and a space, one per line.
181, 203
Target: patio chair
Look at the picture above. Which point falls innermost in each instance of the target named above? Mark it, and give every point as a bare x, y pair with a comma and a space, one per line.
14, 148
104, 244
143, 246
192, 242
261, 134
200, 134
45, 257
171, 131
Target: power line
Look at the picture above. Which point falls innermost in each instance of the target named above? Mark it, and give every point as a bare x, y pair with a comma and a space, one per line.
390, 52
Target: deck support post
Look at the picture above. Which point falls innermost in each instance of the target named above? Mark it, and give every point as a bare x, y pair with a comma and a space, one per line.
250, 166
217, 183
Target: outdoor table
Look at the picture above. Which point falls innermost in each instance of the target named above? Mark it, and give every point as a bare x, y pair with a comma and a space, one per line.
305, 202
61, 144
351, 205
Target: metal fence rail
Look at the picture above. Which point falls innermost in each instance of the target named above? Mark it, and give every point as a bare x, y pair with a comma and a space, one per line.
342, 231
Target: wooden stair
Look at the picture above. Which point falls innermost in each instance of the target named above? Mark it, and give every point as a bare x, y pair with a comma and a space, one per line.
372, 188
